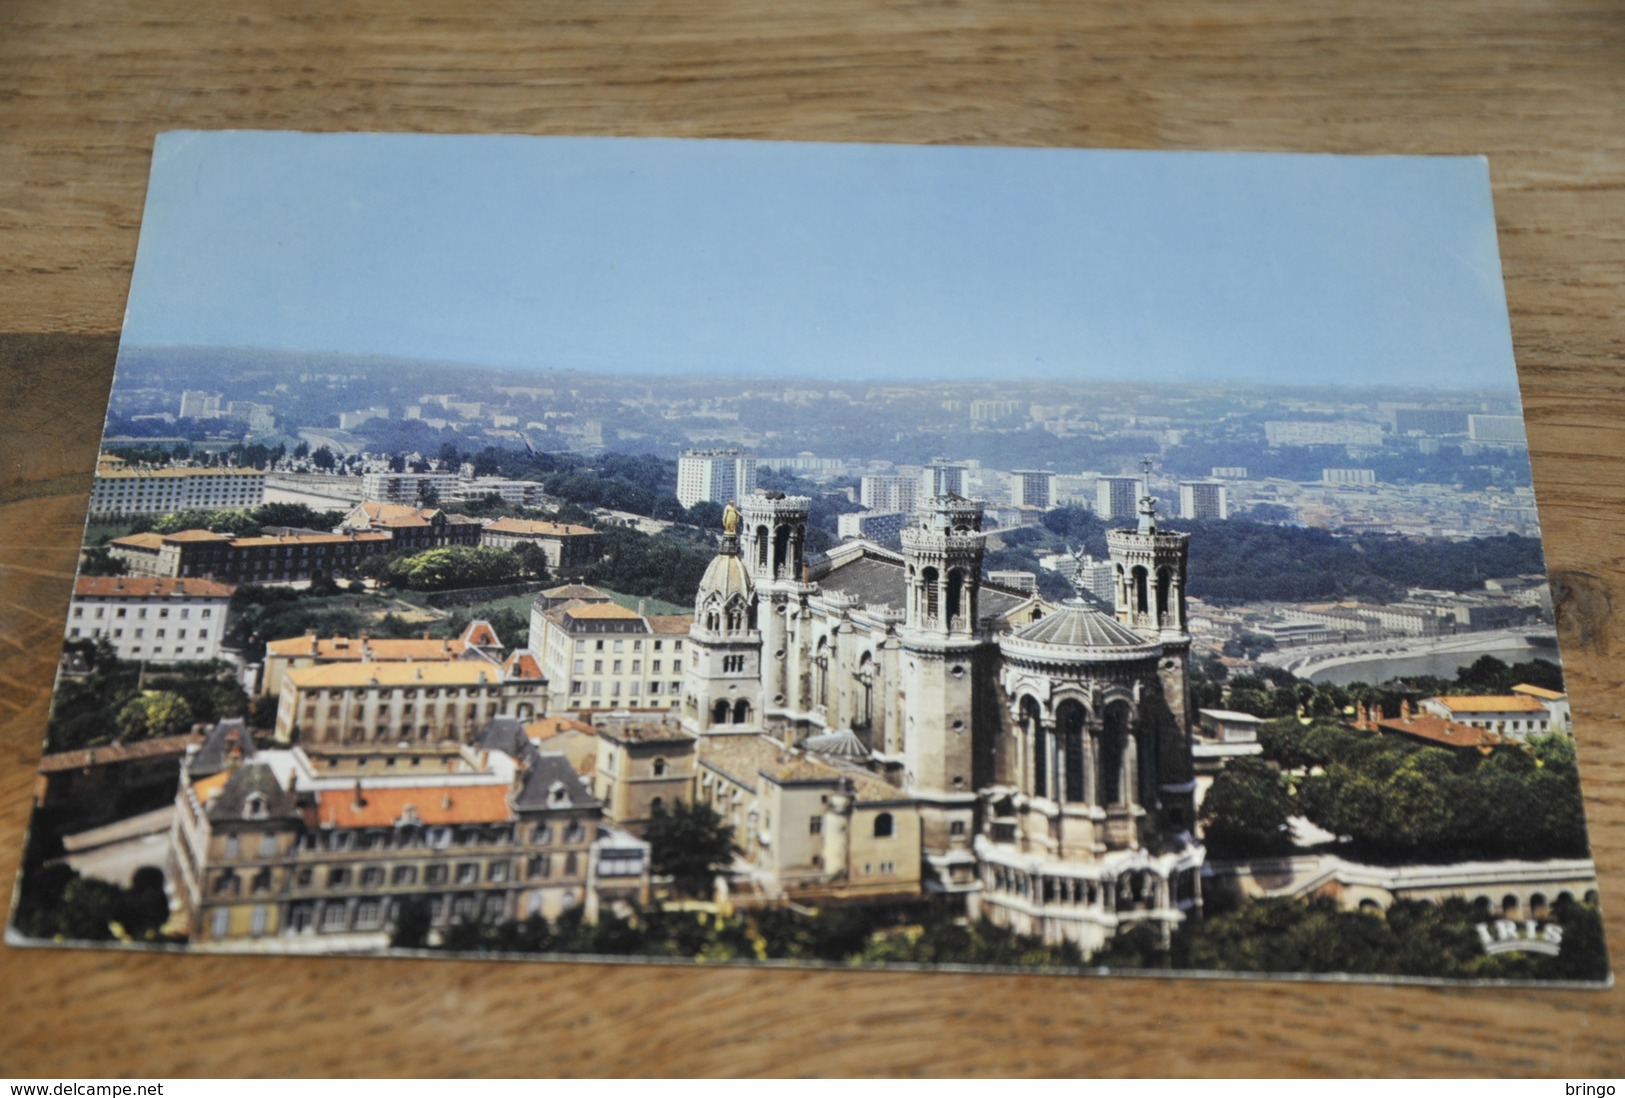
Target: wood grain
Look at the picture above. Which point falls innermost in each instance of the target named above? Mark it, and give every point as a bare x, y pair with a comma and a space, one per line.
84, 86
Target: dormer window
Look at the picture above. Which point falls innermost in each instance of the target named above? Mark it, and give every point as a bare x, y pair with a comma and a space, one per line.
557, 795
254, 807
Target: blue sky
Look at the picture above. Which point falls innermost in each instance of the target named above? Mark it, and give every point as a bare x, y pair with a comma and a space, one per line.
662, 256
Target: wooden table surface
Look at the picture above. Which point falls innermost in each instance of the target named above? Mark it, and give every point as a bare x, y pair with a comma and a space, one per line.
1538, 87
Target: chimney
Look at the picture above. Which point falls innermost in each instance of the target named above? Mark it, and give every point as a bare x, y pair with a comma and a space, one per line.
1405, 710
360, 801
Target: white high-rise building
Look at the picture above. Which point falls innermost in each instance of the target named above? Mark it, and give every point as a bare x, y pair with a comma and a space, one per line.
1117, 497
1204, 499
714, 475
942, 478
1032, 488
888, 492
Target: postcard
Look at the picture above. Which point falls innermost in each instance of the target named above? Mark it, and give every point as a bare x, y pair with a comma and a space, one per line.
1064, 560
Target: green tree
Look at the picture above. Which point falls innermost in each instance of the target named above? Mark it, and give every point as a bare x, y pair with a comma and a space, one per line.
99, 561
687, 843
1245, 811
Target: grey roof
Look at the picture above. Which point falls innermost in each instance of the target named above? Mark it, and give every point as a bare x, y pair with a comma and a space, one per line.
545, 771
214, 754
505, 734
843, 742
1078, 625
876, 580
246, 781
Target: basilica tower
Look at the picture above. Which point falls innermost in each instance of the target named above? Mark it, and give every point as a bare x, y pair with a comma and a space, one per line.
942, 566
1148, 566
723, 679
773, 535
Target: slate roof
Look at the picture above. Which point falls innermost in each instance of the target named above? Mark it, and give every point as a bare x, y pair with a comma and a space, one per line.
238, 785
875, 578
214, 754
546, 772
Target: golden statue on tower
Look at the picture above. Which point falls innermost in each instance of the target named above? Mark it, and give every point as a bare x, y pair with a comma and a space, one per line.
730, 519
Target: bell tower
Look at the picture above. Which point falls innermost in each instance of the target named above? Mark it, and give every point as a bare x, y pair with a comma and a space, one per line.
1148, 566
773, 537
942, 569
722, 682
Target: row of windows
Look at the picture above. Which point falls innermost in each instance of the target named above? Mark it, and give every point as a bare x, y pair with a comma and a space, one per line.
409, 693
406, 838
633, 687
637, 667
141, 612
177, 651
619, 645
180, 634
537, 867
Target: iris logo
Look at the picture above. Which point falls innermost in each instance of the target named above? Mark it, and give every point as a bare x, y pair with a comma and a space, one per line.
1529, 936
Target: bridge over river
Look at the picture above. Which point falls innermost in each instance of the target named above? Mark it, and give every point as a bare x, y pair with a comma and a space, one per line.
1375, 661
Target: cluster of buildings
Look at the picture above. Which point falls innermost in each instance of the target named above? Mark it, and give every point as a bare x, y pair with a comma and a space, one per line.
369, 529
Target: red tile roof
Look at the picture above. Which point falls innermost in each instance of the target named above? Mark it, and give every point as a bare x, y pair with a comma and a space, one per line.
147, 587
435, 805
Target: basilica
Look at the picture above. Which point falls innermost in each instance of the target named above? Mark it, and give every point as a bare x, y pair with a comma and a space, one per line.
1039, 755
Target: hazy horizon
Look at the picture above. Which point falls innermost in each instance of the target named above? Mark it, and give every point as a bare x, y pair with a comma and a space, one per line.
851, 262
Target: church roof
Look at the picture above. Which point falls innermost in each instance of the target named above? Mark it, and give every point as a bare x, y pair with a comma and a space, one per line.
874, 576
725, 576
1077, 625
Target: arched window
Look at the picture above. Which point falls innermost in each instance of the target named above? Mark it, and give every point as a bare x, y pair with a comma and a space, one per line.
1069, 722
719, 711
1141, 595
659, 768
883, 826
741, 712
761, 547
1113, 755
929, 577
956, 584
1032, 722
1165, 580
657, 806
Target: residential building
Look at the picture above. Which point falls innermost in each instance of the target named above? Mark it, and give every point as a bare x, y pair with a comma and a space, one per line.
1515, 716
151, 619
645, 765
275, 844
1349, 476
599, 655
893, 492
197, 404
1500, 430
478, 642
941, 478
1556, 703
407, 488
716, 475
1322, 433
276, 558
365, 707
121, 490
809, 826
1204, 499
1117, 497
1032, 488
567, 547
412, 528
882, 527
